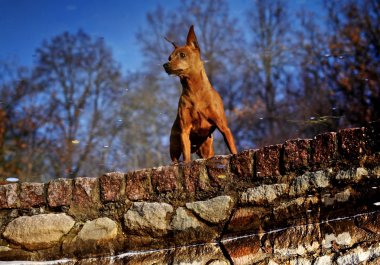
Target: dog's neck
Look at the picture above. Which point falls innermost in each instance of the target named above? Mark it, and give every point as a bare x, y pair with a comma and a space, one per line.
195, 81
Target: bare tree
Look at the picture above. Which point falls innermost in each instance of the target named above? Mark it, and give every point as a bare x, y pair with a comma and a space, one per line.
79, 83
354, 65
146, 116
315, 111
273, 53
20, 152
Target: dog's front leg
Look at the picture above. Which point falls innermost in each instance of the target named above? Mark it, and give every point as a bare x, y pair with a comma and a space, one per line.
186, 146
222, 126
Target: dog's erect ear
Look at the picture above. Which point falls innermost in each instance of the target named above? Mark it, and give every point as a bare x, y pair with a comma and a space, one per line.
192, 39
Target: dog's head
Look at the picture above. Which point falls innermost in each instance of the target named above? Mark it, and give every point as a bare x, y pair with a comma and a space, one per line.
186, 59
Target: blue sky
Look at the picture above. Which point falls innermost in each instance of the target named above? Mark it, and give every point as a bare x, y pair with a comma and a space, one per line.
24, 24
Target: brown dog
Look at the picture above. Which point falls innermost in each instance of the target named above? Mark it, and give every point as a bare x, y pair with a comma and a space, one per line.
200, 107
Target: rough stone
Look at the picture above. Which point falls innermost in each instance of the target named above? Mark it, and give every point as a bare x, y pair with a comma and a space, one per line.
341, 239
96, 236
86, 191
324, 150
189, 177
215, 210
182, 220
8, 195
352, 144
32, 194
39, 231
194, 176
309, 181
323, 260
359, 255
86, 199
60, 192
246, 250
343, 196
218, 170
352, 175
101, 229
242, 165
294, 212
372, 132
203, 254
112, 186
138, 185
154, 257
165, 179
369, 223
296, 155
295, 241
148, 218
263, 194
188, 229
267, 160
341, 235
247, 219
300, 261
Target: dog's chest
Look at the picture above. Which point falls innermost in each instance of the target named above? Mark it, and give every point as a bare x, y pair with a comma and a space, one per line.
200, 123
199, 118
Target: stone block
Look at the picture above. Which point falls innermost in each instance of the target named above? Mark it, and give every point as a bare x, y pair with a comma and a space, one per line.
218, 170
309, 182
150, 219
38, 231
215, 210
249, 219
187, 229
60, 192
297, 241
32, 194
194, 175
294, 212
369, 223
86, 192
8, 195
165, 179
112, 186
138, 185
209, 254
242, 165
246, 250
296, 155
99, 236
352, 144
263, 194
341, 234
372, 132
360, 255
324, 150
267, 161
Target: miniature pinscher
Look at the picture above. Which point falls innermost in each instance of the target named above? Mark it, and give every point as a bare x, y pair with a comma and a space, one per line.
200, 107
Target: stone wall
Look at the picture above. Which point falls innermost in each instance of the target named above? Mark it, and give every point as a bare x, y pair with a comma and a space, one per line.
301, 202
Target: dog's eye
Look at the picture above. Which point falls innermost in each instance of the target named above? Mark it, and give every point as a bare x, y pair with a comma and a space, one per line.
182, 55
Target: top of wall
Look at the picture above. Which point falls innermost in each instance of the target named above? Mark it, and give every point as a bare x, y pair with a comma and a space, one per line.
202, 178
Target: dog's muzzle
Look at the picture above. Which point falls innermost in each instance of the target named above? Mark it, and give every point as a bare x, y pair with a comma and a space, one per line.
167, 68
